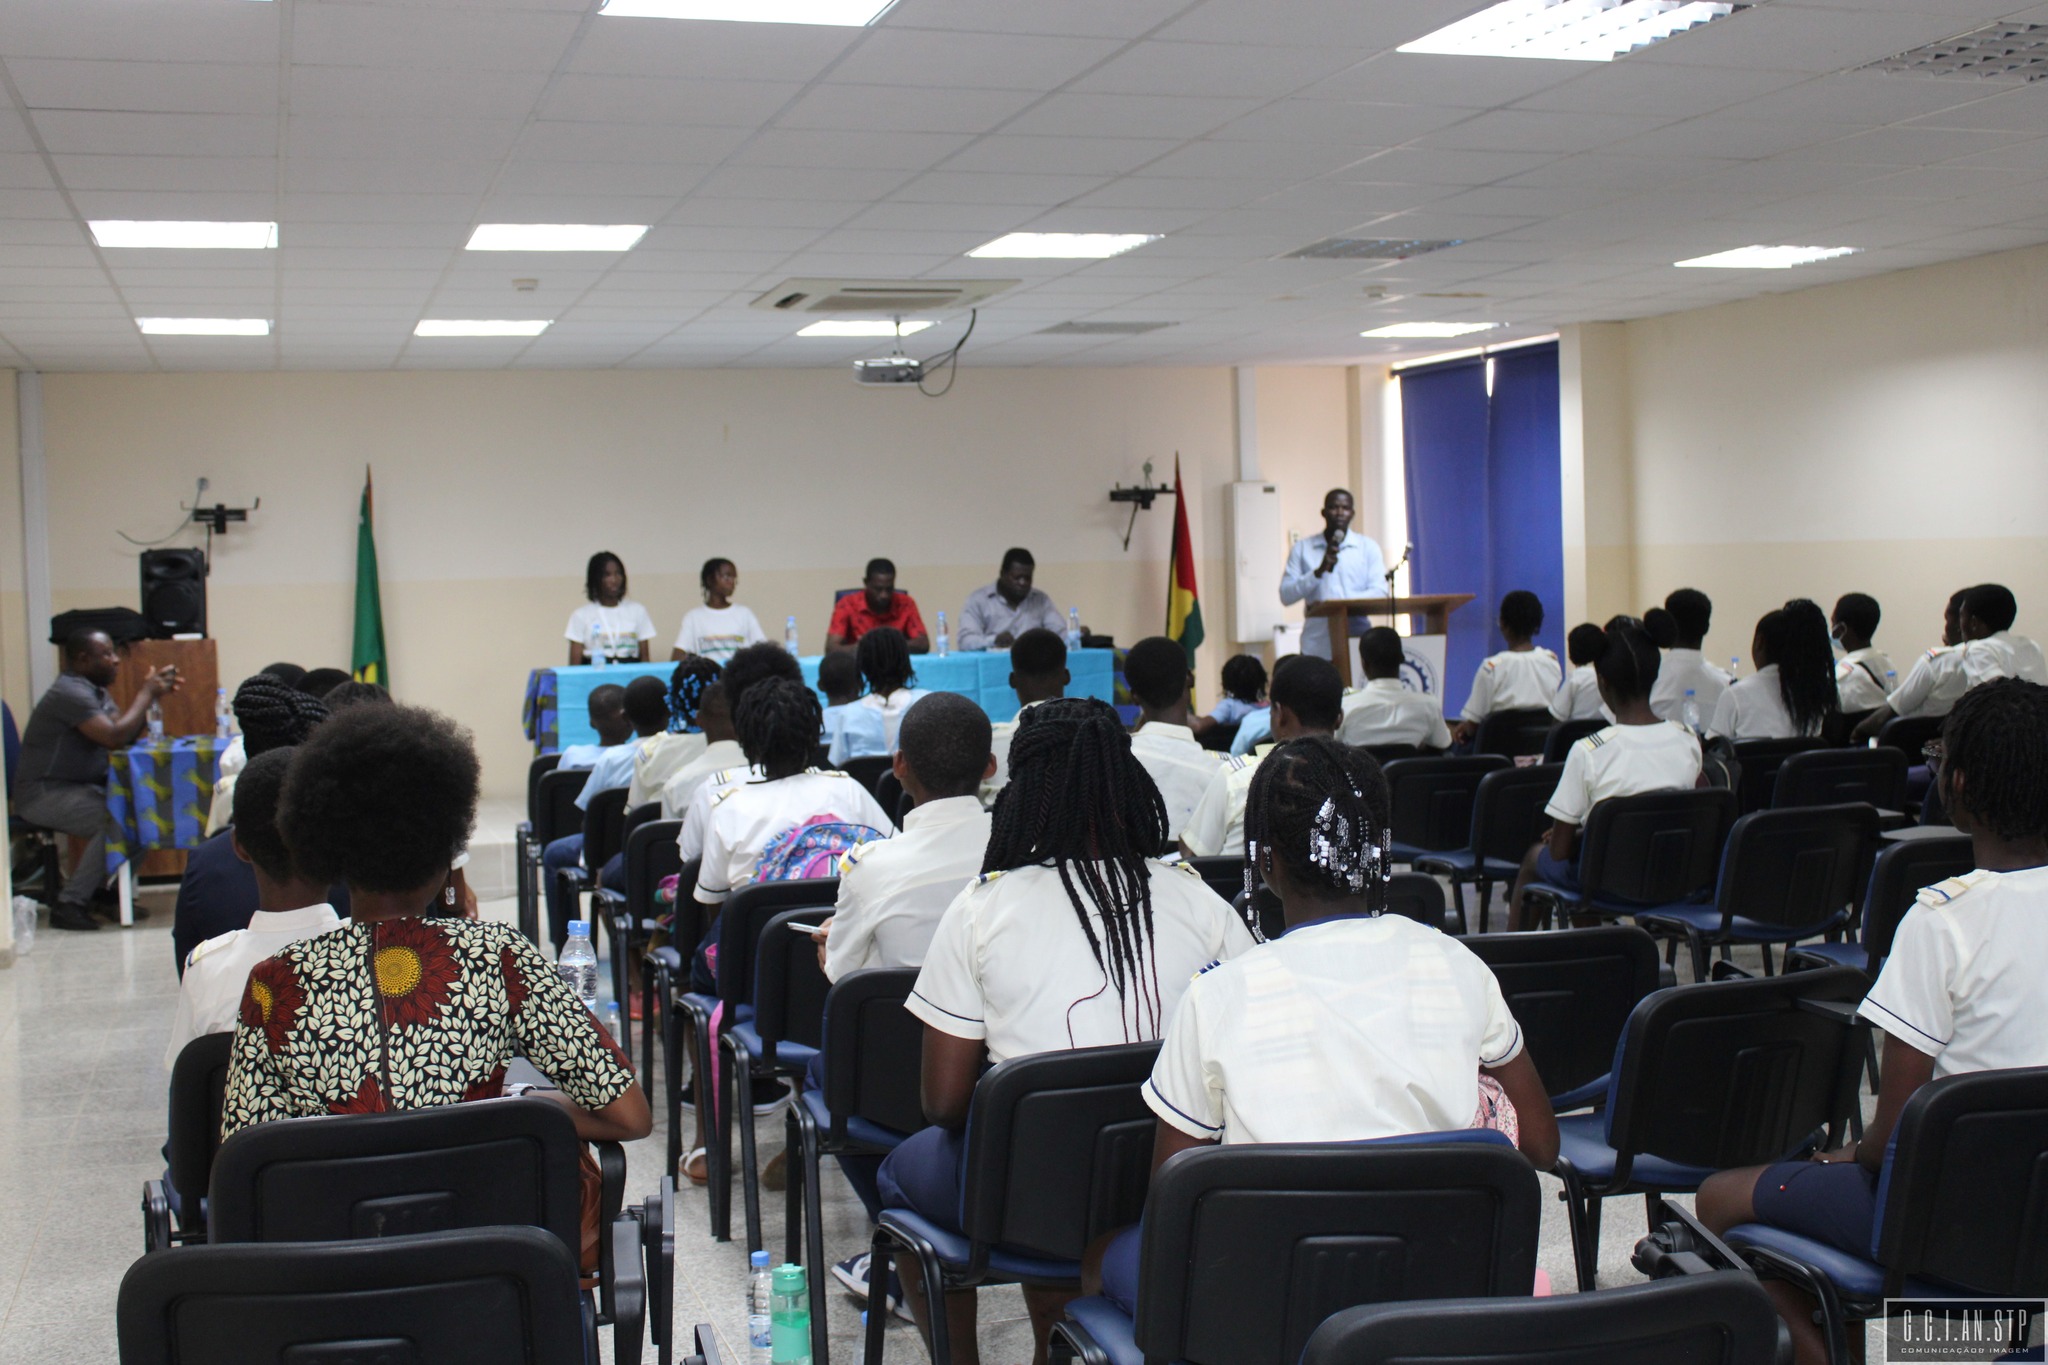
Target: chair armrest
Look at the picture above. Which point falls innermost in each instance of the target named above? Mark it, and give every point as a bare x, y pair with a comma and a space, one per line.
1432, 863
1681, 1245
627, 1289
1725, 970
1071, 1341
1840, 1011
658, 1247
156, 1216
707, 1346
665, 959
611, 1168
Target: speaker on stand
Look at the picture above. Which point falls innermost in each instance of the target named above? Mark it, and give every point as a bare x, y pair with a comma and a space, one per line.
174, 591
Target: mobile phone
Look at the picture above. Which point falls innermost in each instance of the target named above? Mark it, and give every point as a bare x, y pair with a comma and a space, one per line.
795, 927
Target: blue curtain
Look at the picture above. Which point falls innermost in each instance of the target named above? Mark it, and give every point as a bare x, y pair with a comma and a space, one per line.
1485, 512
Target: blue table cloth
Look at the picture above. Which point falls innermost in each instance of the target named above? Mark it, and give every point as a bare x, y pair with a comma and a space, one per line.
556, 710
159, 795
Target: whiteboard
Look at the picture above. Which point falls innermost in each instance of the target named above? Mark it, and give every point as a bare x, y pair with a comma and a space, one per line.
1258, 549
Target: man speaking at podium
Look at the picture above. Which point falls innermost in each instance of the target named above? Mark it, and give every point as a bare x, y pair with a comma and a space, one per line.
1335, 564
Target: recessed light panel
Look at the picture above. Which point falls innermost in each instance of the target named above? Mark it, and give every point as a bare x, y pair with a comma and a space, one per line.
144, 234
481, 327
853, 327
555, 236
1435, 331
835, 13
1082, 246
1765, 257
1569, 30
204, 327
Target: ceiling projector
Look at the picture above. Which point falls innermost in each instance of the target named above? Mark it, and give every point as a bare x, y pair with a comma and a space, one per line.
895, 369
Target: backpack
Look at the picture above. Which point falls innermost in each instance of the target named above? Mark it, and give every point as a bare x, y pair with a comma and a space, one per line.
811, 850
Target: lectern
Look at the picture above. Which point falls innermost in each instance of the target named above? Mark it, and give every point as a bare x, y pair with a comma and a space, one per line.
1435, 610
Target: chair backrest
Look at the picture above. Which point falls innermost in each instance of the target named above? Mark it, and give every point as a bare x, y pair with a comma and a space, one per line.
651, 854
1800, 868
498, 1293
1572, 991
555, 812
889, 795
339, 1178
1724, 1319
867, 771
10, 745
604, 828
789, 985
1216, 739
1735, 1073
1059, 1149
874, 1049
199, 1082
1417, 896
1656, 848
1910, 734
1516, 733
1387, 753
745, 917
1256, 1245
1507, 809
1829, 777
1896, 877
1222, 873
1760, 759
535, 771
1965, 1200
1566, 733
1431, 798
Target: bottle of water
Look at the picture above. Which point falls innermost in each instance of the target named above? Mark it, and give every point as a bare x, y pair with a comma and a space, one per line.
223, 716
1734, 665
941, 644
594, 654
789, 636
156, 723
1688, 712
577, 963
1073, 627
611, 1020
760, 1307
789, 1329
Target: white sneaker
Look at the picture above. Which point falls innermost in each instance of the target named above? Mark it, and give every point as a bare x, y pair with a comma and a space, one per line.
853, 1273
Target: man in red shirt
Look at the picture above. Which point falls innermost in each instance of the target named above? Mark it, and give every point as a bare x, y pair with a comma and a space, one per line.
878, 605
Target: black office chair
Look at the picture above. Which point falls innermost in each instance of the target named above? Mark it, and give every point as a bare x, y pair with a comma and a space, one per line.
1246, 1249
1222, 873
1430, 801
1507, 817
604, 825
1566, 733
1830, 777
1724, 1319
526, 849
891, 797
668, 967
1572, 992
1900, 870
556, 817
491, 1293
869, 1103
867, 771
1709, 1077
45, 871
649, 853
199, 1081
1910, 734
1760, 760
1415, 896
786, 1027
1384, 754
1059, 1151
1638, 853
1519, 733
1216, 739
1785, 875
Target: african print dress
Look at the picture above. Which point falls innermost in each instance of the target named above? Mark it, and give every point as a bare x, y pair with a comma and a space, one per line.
409, 1014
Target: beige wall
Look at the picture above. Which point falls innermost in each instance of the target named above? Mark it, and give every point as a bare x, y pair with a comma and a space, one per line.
493, 489
16, 637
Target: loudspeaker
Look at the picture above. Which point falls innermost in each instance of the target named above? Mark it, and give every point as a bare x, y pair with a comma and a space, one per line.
174, 591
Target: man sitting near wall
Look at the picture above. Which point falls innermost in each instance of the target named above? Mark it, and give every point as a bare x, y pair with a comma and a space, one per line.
996, 615
877, 604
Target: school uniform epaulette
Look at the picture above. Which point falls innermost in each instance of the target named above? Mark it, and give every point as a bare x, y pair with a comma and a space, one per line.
985, 878
1594, 740
1239, 762
1486, 667
724, 794
853, 855
1182, 865
1943, 892
1214, 963
218, 941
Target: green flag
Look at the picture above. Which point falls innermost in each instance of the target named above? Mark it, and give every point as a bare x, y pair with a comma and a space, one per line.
369, 663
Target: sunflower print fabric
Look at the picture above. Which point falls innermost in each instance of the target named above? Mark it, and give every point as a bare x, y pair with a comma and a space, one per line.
408, 1014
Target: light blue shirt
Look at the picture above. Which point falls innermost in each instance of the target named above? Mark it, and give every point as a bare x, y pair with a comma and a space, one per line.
870, 724
1361, 572
614, 768
1256, 729
580, 756
1232, 709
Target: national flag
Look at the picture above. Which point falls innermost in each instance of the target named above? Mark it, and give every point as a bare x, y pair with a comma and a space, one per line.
1183, 603
369, 663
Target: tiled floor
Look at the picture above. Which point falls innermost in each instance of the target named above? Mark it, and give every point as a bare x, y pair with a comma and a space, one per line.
83, 1019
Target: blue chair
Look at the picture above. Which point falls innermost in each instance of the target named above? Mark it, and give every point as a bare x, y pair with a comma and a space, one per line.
1900, 870
1507, 817
1572, 991
1430, 801
1644, 852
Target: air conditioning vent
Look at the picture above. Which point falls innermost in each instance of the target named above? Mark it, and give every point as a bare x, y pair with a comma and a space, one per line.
1368, 249
1997, 52
1102, 329
878, 296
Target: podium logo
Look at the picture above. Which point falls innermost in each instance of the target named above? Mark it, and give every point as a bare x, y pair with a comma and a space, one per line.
1419, 673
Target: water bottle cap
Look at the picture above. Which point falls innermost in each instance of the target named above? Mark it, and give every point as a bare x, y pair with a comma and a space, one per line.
579, 928
789, 1279
1690, 693
792, 620
759, 1260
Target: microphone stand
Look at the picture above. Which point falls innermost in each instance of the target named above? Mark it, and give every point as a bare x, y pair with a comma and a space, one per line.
1392, 601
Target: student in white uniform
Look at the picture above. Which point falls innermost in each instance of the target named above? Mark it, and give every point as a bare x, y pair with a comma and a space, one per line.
839, 679
1988, 614
610, 628
1961, 992
1385, 711
687, 796
1038, 673
1864, 674
718, 629
1579, 697
1159, 677
721, 752
869, 727
1308, 701
1638, 753
1684, 668
1792, 693
663, 755
1077, 935
1938, 678
290, 907
1522, 677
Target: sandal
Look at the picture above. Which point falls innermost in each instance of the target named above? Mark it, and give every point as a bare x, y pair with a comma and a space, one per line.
695, 1168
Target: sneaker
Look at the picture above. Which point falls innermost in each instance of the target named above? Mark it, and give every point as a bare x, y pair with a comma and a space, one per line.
853, 1274
71, 915
769, 1097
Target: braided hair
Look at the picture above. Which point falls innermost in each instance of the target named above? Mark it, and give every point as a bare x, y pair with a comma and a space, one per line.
1806, 664
1628, 662
686, 692
1079, 800
1996, 740
1322, 809
273, 714
778, 723
884, 656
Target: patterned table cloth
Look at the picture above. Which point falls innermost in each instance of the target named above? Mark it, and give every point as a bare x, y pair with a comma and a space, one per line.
159, 795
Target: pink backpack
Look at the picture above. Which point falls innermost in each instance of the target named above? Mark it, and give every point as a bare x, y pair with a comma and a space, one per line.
811, 850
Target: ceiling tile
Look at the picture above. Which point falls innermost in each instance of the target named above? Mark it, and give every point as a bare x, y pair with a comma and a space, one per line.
1230, 69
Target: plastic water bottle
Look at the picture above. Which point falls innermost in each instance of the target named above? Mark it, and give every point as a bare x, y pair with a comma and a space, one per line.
577, 963
942, 644
1073, 627
595, 653
760, 1307
223, 715
611, 1020
789, 1330
1734, 665
1688, 712
156, 723
789, 636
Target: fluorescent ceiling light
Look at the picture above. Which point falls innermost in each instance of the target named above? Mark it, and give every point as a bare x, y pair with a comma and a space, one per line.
204, 327
1569, 30
555, 236
124, 233
837, 13
854, 328
1088, 246
1432, 330
1765, 257
481, 327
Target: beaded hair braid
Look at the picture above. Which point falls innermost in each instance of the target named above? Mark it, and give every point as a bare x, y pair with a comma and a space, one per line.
1320, 807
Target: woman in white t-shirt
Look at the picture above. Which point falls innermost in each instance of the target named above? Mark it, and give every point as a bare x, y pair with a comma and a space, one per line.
1077, 935
1638, 753
718, 629
1792, 693
610, 628
1962, 990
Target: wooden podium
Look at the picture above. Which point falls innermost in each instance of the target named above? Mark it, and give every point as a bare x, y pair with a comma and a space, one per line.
1435, 610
